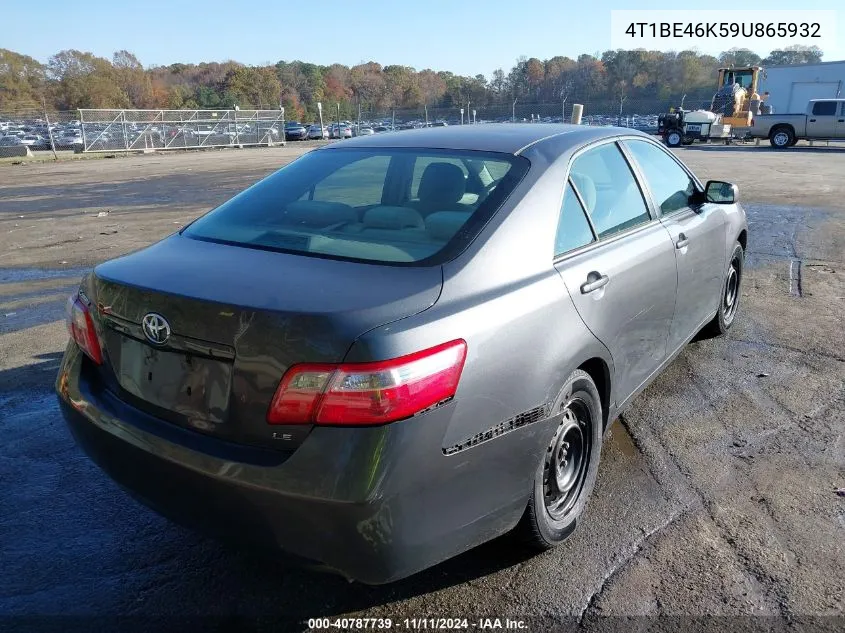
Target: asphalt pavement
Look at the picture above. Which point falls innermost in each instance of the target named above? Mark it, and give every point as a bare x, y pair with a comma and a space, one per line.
719, 494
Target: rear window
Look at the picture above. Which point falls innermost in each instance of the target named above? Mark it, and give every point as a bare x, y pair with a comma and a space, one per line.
396, 206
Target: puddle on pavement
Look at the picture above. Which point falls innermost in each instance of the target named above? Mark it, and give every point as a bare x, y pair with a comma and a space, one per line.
774, 229
8, 275
620, 440
24, 305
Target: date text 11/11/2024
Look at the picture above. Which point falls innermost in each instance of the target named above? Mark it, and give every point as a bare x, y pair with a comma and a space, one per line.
440, 624
724, 29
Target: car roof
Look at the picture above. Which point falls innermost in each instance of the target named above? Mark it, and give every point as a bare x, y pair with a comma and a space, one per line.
508, 138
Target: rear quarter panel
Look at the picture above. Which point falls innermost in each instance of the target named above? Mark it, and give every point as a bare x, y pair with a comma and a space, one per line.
504, 297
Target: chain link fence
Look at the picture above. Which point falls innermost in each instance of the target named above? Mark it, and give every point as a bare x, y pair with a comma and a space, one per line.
139, 130
639, 114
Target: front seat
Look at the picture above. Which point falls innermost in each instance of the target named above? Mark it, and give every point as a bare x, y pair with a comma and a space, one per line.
441, 187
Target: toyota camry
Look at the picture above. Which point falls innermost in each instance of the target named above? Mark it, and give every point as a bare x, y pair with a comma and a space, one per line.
400, 346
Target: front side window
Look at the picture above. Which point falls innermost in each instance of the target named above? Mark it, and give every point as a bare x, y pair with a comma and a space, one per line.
609, 190
670, 185
382, 205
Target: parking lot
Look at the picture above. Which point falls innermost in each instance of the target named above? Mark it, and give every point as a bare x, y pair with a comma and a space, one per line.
721, 490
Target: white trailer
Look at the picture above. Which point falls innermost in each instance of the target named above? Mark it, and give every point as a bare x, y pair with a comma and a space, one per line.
791, 87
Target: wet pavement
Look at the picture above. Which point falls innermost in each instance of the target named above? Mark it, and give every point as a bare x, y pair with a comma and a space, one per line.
716, 492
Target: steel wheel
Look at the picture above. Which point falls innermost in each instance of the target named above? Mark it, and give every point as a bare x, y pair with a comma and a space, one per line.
730, 301
567, 458
673, 139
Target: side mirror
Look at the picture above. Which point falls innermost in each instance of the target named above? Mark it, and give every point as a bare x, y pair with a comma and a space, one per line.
720, 192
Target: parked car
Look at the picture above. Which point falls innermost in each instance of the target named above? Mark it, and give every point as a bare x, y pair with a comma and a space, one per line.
10, 141
295, 131
380, 356
317, 132
35, 142
364, 131
824, 119
70, 140
342, 131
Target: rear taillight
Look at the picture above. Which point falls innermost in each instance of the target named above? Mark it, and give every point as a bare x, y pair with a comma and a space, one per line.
368, 393
81, 328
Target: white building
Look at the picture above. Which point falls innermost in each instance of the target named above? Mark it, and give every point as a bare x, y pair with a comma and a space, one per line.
791, 87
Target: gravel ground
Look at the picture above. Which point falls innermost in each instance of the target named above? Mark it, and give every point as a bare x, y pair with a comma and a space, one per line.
718, 488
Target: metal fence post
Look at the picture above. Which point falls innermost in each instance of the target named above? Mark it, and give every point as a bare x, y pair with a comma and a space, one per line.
50, 133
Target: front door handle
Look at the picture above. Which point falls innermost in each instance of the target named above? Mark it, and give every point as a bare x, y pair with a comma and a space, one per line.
683, 240
812, 120
594, 282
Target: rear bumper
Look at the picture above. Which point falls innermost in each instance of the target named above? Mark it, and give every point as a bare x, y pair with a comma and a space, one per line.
374, 504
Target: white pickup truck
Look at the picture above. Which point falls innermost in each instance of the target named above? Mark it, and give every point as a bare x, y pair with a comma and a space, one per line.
824, 120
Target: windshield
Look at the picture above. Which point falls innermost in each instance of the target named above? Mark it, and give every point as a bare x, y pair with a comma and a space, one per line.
402, 206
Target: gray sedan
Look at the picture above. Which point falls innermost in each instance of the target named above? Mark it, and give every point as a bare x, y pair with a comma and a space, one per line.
401, 346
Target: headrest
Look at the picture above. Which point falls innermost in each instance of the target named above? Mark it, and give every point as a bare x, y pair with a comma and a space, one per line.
587, 188
441, 186
385, 217
443, 225
316, 213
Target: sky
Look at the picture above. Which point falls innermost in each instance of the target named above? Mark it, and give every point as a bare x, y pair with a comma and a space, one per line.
464, 37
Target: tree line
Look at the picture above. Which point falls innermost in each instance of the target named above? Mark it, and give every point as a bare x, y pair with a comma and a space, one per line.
75, 79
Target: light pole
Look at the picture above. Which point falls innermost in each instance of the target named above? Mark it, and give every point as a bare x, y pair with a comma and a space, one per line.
320, 112
513, 111
462, 116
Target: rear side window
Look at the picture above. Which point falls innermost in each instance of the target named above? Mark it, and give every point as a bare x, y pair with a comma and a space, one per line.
824, 108
609, 190
573, 229
386, 205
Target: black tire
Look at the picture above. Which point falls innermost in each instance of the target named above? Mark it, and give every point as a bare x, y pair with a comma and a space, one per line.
731, 293
559, 495
672, 138
687, 140
782, 137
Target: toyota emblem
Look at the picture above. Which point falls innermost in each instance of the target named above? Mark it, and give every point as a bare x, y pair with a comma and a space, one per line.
156, 328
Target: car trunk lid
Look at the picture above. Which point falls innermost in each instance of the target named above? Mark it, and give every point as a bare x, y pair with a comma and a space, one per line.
236, 319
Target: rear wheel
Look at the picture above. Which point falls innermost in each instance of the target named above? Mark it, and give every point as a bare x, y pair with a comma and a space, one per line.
567, 471
729, 303
782, 137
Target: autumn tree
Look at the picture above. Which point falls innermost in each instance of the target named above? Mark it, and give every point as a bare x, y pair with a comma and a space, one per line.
21, 81
83, 80
253, 86
796, 54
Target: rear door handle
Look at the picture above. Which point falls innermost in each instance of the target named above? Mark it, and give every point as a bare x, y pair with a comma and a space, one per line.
594, 282
683, 240
812, 120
